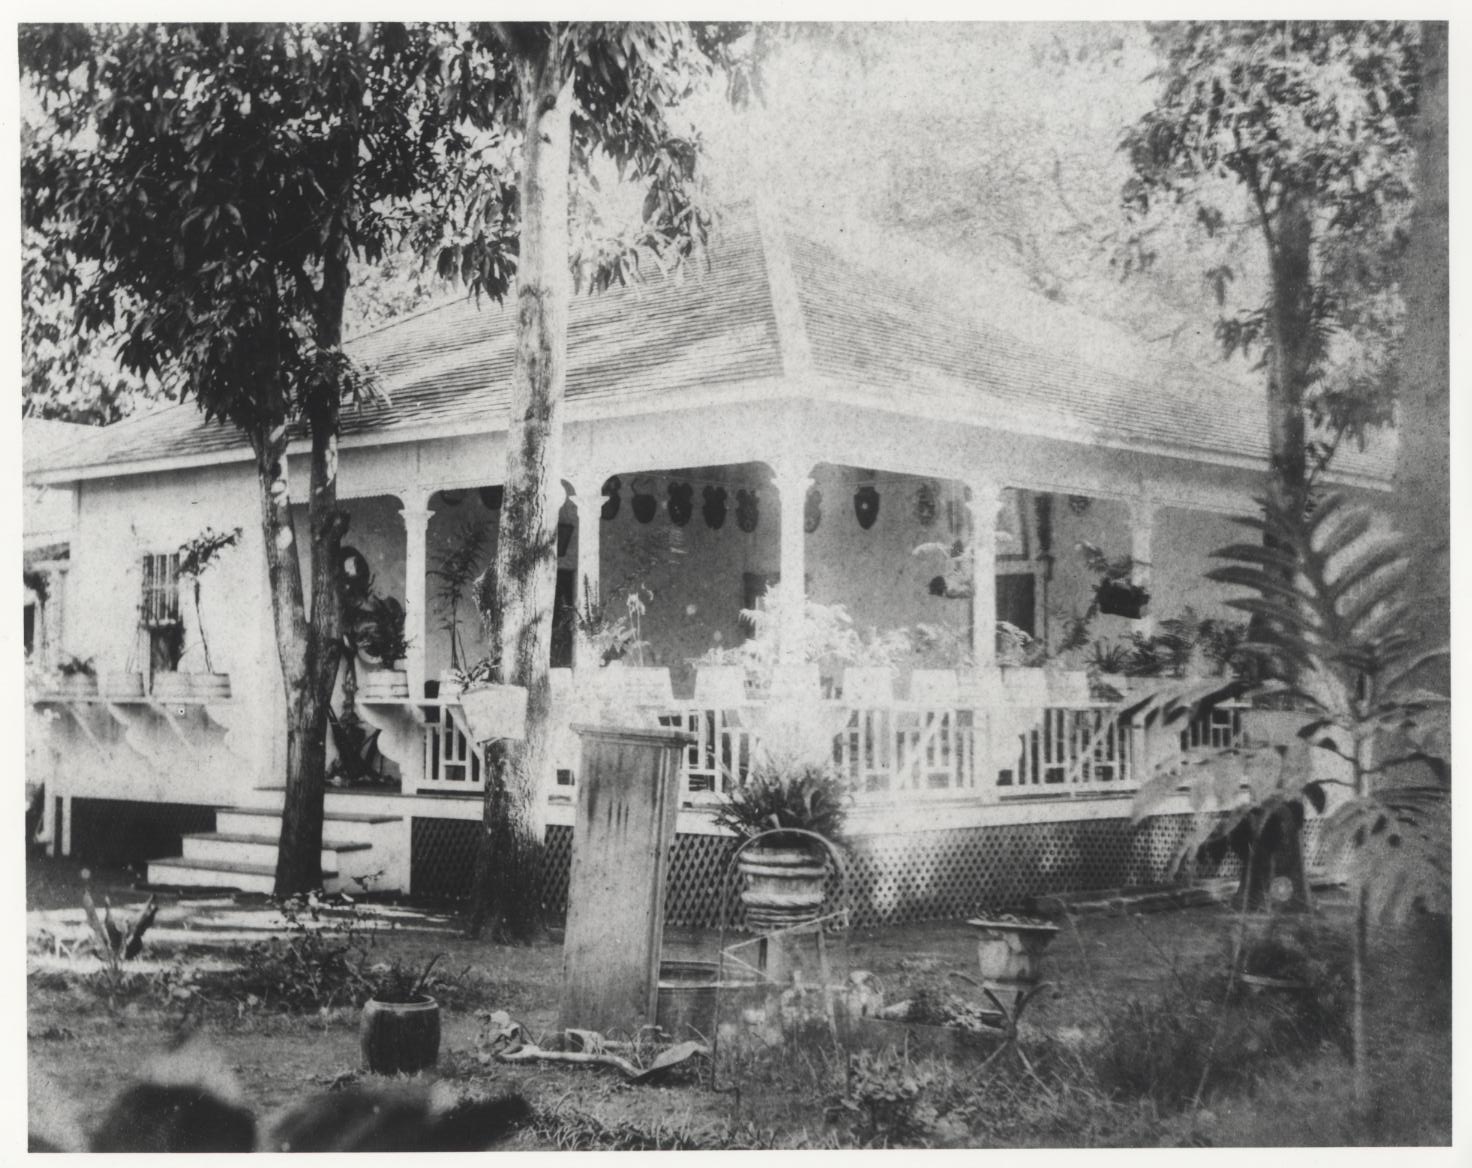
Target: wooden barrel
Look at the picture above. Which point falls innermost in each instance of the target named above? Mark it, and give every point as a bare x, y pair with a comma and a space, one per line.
400, 1037
784, 887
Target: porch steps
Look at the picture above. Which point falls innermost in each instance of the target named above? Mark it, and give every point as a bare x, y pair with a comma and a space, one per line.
185, 873
241, 852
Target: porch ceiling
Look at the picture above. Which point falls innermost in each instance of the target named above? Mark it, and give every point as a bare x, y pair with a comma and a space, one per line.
670, 345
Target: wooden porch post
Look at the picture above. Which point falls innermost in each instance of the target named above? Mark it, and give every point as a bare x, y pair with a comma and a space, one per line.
792, 478
986, 497
587, 497
1142, 533
414, 512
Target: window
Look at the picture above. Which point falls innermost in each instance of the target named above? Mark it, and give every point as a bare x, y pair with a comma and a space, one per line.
160, 611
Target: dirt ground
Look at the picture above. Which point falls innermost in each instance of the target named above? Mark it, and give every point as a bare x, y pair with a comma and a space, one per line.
82, 1049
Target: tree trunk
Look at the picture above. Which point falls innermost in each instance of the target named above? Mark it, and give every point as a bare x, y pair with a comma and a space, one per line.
507, 875
310, 648
1290, 371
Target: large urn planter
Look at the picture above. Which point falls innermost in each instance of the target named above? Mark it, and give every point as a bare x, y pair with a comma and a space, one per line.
495, 711
191, 687
1010, 950
383, 685
784, 886
400, 1036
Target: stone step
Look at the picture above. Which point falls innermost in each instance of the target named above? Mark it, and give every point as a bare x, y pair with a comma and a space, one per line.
182, 873
347, 858
338, 827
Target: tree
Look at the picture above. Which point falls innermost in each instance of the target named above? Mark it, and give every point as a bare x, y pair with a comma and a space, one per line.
218, 180
551, 100
1344, 619
1298, 132
66, 376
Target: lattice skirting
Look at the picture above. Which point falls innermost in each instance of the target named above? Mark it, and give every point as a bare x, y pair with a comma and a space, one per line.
126, 831
938, 875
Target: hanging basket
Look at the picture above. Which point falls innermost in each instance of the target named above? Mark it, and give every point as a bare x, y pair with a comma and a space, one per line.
400, 1038
1121, 598
495, 711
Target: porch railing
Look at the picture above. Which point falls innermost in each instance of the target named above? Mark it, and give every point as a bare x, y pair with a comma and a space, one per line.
896, 752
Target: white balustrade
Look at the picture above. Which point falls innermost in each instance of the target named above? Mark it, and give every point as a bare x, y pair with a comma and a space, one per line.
891, 752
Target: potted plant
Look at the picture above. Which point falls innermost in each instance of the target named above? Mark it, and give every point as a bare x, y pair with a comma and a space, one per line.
492, 710
457, 571
196, 556
377, 636
75, 676
1115, 593
783, 872
1009, 948
400, 1030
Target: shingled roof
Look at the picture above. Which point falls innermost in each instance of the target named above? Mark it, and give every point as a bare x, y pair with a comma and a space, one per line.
851, 330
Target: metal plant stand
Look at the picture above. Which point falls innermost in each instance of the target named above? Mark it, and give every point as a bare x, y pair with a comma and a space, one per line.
762, 941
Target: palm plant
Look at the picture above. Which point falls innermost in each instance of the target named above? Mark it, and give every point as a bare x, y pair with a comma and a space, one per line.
456, 571
1334, 628
196, 556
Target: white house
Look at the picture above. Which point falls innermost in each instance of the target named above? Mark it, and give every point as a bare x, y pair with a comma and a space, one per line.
793, 417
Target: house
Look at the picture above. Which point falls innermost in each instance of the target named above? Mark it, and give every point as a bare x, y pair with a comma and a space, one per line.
48, 517
796, 418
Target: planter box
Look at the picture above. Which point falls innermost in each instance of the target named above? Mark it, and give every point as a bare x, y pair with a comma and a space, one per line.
383, 685
75, 685
191, 687
495, 711
1024, 685
121, 685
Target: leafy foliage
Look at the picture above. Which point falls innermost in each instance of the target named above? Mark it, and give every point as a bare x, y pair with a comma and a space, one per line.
1296, 131
199, 553
1338, 628
457, 568
796, 795
377, 630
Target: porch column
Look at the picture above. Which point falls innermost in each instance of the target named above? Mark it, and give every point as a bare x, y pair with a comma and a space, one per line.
986, 499
587, 497
792, 479
414, 512
1142, 533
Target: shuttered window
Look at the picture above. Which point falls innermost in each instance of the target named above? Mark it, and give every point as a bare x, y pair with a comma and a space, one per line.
161, 590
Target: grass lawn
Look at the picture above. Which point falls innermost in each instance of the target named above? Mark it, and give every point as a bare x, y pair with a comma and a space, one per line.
1131, 1008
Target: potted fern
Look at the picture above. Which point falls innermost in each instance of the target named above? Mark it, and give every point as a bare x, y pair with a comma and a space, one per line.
196, 557
784, 871
377, 637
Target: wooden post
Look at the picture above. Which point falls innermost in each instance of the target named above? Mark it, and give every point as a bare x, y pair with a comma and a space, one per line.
415, 514
627, 802
792, 486
986, 497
